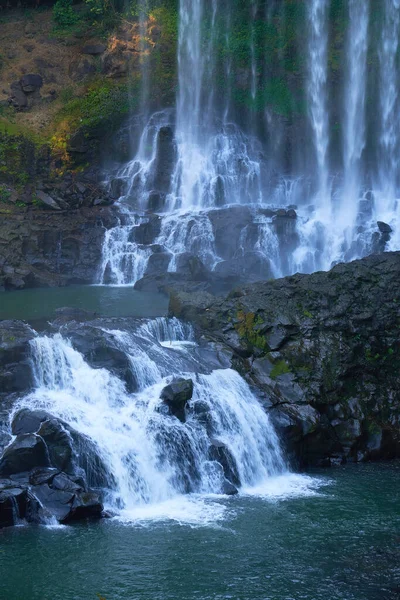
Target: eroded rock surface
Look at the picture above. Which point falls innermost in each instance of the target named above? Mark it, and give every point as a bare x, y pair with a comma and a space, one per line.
323, 350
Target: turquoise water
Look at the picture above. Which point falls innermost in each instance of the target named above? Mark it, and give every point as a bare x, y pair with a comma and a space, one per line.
41, 303
342, 543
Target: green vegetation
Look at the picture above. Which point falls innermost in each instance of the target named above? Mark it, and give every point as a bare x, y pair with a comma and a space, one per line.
280, 368
64, 15
247, 328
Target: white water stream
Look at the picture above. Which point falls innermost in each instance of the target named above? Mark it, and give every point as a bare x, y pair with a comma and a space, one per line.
156, 466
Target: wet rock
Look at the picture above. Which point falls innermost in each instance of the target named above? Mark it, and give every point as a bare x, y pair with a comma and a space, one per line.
221, 454
59, 444
228, 488
147, 232
191, 266
102, 350
16, 504
165, 160
118, 188
156, 201
158, 263
28, 421
40, 475
176, 395
384, 227
23, 454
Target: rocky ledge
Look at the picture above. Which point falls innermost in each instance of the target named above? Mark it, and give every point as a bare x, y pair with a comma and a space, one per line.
322, 350
49, 248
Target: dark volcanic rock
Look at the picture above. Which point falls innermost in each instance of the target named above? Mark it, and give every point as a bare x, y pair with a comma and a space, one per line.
26, 452
52, 248
325, 350
176, 395
28, 421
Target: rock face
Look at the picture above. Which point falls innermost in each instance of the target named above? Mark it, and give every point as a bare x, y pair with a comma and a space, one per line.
39, 474
40, 249
323, 350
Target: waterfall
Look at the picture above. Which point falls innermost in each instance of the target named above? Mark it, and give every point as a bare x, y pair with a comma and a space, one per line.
317, 94
386, 195
148, 455
123, 261
346, 211
280, 106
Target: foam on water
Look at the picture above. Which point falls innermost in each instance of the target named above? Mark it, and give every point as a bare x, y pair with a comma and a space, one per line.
153, 466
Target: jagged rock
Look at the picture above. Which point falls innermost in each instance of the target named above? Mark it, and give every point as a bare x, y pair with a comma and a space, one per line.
323, 349
24, 453
52, 247
47, 200
41, 475
176, 394
101, 350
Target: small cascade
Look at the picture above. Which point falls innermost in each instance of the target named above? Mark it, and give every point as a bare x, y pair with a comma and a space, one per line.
123, 261
148, 455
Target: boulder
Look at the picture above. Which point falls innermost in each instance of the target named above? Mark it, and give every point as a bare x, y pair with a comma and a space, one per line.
59, 444
165, 160
384, 227
191, 266
69, 505
23, 454
176, 395
16, 504
228, 489
31, 82
28, 421
221, 454
47, 200
158, 263
40, 475
18, 98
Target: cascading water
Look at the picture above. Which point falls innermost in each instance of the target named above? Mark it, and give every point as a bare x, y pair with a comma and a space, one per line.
314, 146
387, 192
148, 456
